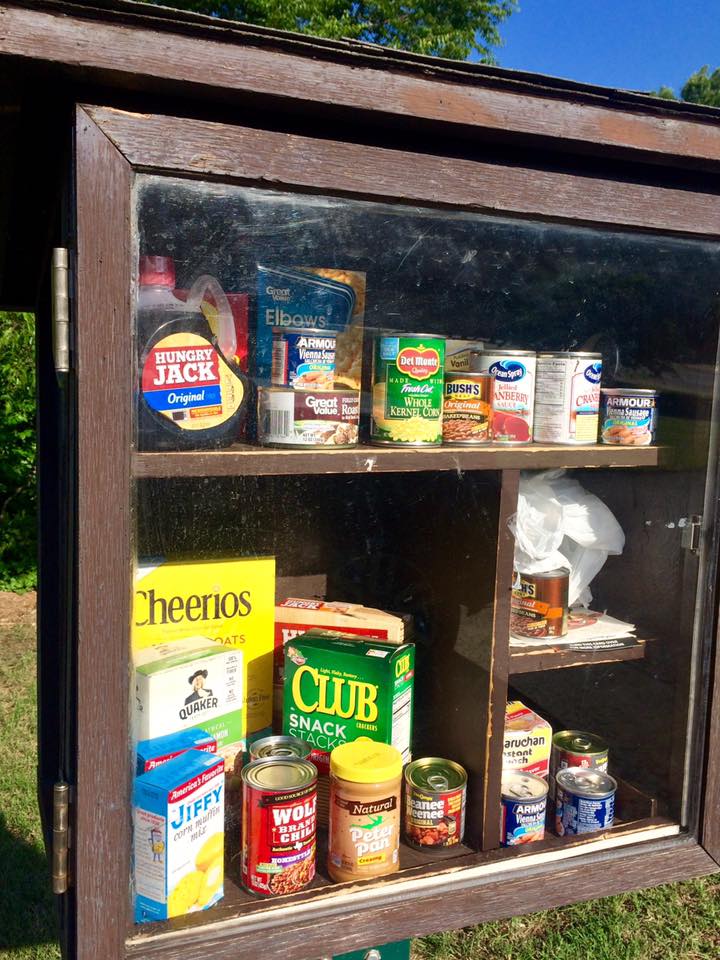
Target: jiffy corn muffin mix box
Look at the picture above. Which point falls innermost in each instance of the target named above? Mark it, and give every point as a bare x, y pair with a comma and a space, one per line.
191, 683
178, 819
229, 601
151, 753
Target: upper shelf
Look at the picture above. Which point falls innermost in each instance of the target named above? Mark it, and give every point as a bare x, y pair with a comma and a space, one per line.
260, 461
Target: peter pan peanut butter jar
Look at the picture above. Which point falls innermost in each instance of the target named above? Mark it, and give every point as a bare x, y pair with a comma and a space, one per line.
364, 836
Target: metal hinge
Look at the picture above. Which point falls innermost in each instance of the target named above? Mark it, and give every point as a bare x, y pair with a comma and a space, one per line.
692, 533
61, 837
61, 309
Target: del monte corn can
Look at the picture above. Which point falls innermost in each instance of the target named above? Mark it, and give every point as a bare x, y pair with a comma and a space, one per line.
407, 393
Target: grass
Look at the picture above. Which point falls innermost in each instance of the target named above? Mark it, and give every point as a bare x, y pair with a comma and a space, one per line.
675, 922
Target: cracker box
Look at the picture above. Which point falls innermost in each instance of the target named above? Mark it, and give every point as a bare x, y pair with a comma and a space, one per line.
229, 601
151, 753
178, 838
183, 684
338, 689
528, 740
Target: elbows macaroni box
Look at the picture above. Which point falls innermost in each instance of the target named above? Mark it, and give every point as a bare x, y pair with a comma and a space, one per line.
151, 753
338, 689
179, 840
188, 683
528, 740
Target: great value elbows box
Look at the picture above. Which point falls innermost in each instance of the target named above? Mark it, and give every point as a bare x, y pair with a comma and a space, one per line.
151, 753
528, 740
179, 839
191, 683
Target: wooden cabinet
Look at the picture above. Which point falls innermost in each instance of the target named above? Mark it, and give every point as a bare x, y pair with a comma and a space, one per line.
479, 205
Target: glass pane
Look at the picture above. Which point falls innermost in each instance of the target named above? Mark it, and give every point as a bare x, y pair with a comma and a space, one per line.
292, 451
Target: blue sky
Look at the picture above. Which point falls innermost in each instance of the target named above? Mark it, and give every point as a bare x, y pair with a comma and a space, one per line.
633, 44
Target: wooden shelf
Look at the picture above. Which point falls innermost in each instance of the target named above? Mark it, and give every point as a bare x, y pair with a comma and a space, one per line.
535, 659
261, 461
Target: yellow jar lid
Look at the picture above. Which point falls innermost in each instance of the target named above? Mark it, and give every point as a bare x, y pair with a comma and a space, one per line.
364, 761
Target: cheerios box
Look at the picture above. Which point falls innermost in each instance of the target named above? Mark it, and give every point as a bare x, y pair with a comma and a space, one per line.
151, 753
528, 740
188, 683
178, 837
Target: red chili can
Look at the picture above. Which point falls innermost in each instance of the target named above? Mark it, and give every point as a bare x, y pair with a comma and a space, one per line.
279, 824
539, 604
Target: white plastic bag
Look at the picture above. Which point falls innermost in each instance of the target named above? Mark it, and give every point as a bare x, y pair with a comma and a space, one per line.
559, 524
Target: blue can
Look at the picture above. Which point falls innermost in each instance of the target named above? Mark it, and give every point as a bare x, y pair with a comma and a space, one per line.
304, 359
524, 802
584, 801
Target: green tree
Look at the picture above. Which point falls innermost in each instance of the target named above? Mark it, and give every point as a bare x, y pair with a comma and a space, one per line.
443, 28
701, 87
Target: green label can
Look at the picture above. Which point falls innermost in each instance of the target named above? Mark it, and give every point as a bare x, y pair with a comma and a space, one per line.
407, 393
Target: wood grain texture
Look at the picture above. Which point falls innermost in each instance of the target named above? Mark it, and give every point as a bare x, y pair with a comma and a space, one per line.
535, 659
290, 70
274, 159
101, 831
343, 925
260, 461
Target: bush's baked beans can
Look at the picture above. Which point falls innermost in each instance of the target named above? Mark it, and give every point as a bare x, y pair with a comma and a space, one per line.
539, 604
628, 417
567, 397
279, 824
513, 373
467, 408
434, 803
407, 390
584, 801
523, 808
576, 748
280, 746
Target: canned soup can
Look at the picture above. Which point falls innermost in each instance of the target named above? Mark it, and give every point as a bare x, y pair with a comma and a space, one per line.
576, 748
584, 801
308, 418
539, 605
523, 807
434, 803
279, 825
513, 373
567, 397
407, 390
628, 417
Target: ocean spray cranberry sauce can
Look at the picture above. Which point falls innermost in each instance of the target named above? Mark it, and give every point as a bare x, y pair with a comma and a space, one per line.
279, 823
513, 399
523, 808
567, 397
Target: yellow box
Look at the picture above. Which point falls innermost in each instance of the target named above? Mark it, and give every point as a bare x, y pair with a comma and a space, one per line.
229, 601
528, 740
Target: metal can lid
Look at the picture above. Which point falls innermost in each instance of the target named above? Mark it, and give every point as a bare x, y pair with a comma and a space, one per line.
501, 351
578, 741
315, 331
628, 392
587, 782
435, 775
545, 574
517, 785
278, 774
280, 746
584, 354
395, 334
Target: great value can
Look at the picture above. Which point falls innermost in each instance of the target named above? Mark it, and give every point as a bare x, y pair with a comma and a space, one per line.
539, 604
524, 803
308, 418
628, 417
434, 803
467, 408
303, 359
280, 746
567, 397
407, 391
584, 800
279, 824
576, 748
513, 373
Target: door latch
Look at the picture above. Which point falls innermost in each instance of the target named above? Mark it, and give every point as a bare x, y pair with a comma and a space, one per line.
692, 533
61, 837
61, 309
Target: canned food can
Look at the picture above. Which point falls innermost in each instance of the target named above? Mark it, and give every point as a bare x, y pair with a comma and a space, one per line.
576, 748
303, 359
523, 808
513, 373
567, 397
279, 824
434, 803
467, 408
539, 605
280, 746
407, 390
308, 418
628, 417
584, 801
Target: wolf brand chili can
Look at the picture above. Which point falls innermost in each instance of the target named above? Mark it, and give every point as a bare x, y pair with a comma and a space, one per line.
575, 748
308, 418
584, 801
467, 407
434, 803
524, 802
303, 359
628, 417
279, 820
513, 373
407, 390
567, 397
539, 604
280, 746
